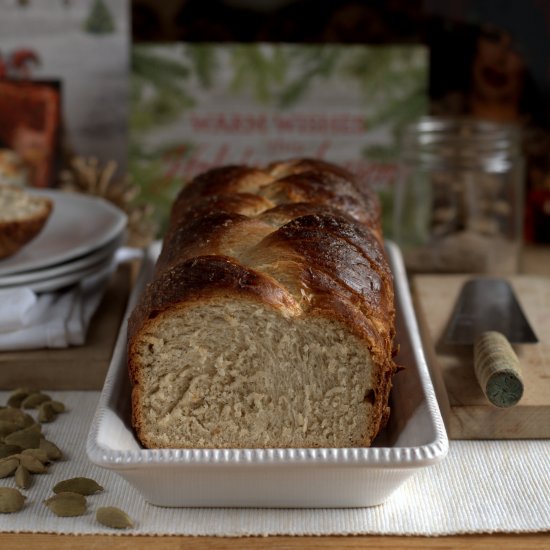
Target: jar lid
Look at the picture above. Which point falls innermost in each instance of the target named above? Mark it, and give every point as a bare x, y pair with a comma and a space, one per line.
461, 141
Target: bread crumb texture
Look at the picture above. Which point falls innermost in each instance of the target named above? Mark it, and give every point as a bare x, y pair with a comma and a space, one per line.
229, 374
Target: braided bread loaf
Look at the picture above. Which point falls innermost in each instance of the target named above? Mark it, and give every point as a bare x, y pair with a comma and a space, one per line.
270, 320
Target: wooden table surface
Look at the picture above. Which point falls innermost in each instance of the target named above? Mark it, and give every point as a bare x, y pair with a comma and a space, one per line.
536, 260
484, 542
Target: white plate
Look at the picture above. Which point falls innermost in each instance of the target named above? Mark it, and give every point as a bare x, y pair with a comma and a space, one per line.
78, 224
65, 279
65, 268
414, 438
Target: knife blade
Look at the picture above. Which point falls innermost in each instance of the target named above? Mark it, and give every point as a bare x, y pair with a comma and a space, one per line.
488, 305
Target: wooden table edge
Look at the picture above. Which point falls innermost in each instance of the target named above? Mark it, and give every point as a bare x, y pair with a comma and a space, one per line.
503, 541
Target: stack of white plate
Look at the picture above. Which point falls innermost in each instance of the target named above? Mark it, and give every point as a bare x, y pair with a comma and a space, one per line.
79, 239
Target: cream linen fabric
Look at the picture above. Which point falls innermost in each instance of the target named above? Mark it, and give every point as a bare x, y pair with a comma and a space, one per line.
481, 487
58, 319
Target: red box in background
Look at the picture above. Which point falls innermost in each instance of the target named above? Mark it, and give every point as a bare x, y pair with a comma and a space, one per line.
30, 121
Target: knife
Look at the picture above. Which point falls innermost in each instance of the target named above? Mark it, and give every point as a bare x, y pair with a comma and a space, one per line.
488, 316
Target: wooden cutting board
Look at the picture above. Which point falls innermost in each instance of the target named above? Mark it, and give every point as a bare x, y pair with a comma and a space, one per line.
466, 411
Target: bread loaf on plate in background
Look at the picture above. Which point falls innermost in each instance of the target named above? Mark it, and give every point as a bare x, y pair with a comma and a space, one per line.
22, 217
269, 321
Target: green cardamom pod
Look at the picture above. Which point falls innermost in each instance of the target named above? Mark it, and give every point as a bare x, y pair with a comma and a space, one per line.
46, 412
80, 485
7, 427
67, 504
9, 450
34, 399
28, 438
17, 416
11, 500
32, 464
39, 454
17, 396
113, 517
51, 449
57, 406
23, 478
8, 466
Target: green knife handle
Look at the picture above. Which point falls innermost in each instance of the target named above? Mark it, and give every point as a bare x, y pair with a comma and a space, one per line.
497, 369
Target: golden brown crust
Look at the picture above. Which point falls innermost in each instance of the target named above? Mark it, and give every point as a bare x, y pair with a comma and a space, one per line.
313, 167
298, 181
186, 208
225, 180
297, 236
323, 189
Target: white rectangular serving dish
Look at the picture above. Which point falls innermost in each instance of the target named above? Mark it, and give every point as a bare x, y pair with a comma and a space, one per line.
414, 438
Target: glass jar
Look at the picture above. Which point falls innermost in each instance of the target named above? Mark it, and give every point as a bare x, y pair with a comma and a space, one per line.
459, 196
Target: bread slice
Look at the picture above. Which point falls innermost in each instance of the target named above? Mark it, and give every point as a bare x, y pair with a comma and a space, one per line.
269, 322
22, 218
234, 373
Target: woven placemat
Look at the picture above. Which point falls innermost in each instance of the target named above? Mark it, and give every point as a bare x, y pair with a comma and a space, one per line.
481, 487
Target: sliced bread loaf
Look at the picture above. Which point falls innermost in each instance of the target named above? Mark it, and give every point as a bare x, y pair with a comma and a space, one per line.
270, 318
22, 217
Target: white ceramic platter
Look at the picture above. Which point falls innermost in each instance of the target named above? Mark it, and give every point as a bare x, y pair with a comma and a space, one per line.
78, 225
65, 279
27, 278
414, 438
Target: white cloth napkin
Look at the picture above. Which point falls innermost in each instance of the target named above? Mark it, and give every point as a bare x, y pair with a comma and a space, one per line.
30, 320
